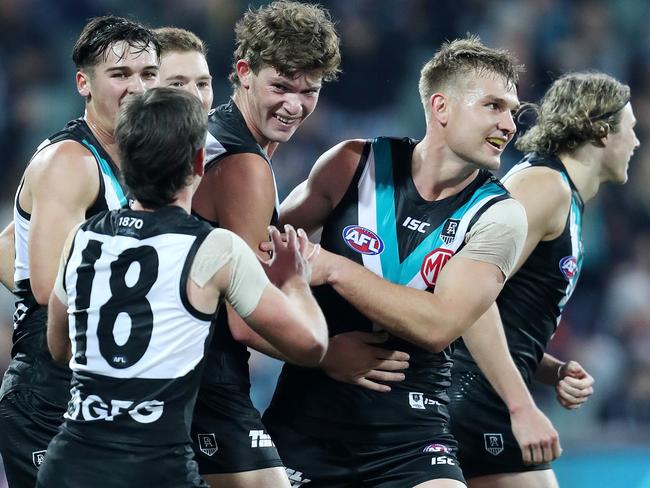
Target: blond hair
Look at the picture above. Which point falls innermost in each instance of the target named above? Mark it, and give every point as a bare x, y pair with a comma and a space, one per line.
577, 108
175, 39
456, 59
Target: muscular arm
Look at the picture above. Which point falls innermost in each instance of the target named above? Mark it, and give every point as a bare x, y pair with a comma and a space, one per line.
310, 203
239, 193
287, 317
61, 183
58, 337
486, 341
464, 291
7, 256
545, 198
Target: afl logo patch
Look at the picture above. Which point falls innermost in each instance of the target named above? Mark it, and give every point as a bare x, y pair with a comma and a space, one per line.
362, 240
569, 266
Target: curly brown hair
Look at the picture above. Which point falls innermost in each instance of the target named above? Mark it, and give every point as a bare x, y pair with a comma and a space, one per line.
291, 37
456, 59
577, 108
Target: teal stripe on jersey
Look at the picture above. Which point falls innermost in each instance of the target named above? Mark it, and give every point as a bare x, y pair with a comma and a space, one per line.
392, 269
106, 169
575, 231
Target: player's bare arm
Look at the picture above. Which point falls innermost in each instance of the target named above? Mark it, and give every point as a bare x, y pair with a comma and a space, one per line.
353, 357
430, 320
309, 204
536, 436
58, 339
546, 198
61, 183
219, 197
7, 256
288, 317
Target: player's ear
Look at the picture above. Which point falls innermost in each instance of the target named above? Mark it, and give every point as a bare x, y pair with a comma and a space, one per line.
439, 108
244, 72
83, 83
199, 161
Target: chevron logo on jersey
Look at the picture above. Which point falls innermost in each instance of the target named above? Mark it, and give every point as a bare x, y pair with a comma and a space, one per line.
362, 240
433, 264
569, 266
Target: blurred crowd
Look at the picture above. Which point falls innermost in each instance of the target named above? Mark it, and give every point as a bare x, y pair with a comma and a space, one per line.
606, 326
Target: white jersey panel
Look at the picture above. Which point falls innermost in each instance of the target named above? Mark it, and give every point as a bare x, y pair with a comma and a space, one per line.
177, 338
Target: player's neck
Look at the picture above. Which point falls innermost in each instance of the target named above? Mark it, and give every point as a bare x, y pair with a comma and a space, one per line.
181, 201
435, 176
583, 167
104, 134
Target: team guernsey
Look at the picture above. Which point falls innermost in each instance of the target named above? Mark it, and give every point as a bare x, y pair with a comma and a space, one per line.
227, 430
384, 224
137, 348
31, 371
530, 305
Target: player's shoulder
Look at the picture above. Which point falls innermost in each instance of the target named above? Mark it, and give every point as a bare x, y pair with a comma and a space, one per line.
345, 154
63, 159
542, 189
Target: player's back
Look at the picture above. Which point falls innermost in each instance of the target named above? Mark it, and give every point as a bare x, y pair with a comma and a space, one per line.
137, 349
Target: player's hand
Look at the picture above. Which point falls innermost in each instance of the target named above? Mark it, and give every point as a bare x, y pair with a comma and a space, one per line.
352, 358
292, 256
321, 261
536, 436
574, 386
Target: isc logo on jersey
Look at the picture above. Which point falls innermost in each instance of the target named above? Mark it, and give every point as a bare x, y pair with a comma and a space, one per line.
433, 264
569, 266
362, 240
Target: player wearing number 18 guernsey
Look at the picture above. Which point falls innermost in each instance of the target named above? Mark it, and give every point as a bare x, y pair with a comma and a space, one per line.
142, 286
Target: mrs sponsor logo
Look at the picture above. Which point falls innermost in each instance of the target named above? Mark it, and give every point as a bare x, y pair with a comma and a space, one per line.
433, 264
362, 240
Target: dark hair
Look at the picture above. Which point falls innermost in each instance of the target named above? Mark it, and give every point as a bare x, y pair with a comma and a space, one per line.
101, 32
458, 58
175, 39
577, 108
291, 37
158, 134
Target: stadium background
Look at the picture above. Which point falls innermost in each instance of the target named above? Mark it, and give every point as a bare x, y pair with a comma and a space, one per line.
384, 42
